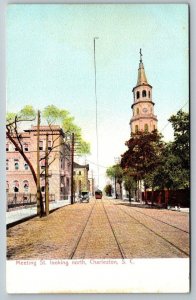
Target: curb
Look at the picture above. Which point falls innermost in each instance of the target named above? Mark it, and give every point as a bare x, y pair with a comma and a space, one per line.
12, 224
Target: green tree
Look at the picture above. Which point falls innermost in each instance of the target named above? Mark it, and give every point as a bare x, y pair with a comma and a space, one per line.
130, 183
108, 190
181, 144
143, 155
116, 172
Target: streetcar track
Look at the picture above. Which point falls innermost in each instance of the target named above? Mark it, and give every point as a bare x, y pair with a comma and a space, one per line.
179, 249
161, 221
113, 231
81, 234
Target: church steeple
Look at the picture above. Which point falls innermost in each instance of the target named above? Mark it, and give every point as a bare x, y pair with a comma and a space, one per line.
141, 72
143, 118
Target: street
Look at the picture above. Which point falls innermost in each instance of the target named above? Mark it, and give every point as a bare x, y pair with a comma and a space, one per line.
102, 229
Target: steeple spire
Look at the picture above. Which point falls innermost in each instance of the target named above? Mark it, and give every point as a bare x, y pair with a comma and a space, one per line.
141, 72
141, 55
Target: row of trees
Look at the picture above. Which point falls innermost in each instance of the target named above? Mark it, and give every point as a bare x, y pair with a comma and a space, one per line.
50, 115
159, 165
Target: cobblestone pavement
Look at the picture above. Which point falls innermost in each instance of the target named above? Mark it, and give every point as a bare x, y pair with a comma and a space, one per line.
101, 229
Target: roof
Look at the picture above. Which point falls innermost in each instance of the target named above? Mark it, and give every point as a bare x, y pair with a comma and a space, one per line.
78, 166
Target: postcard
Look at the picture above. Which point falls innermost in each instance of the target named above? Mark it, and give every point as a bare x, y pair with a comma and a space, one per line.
97, 148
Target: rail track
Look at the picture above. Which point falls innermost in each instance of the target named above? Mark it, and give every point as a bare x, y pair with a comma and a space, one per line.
77, 244
122, 254
159, 235
71, 256
161, 221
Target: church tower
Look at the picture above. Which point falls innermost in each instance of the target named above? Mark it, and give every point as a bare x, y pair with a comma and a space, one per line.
143, 118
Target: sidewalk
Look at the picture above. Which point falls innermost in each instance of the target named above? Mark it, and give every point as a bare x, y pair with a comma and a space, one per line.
23, 213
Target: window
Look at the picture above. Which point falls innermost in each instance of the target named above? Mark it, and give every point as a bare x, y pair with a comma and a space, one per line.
137, 94
79, 173
43, 189
143, 93
154, 127
74, 173
40, 145
26, 186
7, 164
7, 147
43, 163
149, 94
16, 186
16, 149
136, 128
7, 186
49, 145
146, 127
26, 166
137, 111
16, 164
26, 147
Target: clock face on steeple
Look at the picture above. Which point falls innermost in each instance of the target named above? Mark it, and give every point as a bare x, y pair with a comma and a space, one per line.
145, 110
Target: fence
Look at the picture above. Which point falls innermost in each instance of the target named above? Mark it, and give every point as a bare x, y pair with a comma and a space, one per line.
168, 197
24, 199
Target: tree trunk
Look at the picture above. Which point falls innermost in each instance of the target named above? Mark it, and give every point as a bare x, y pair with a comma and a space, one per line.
72, 169
145, 195
129, 195
152, 196
115, 187
40, 207
46, 179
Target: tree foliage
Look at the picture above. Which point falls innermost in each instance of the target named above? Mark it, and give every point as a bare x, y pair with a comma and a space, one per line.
108, 190
143, 154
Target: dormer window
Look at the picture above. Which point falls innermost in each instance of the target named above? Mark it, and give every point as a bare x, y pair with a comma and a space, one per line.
143, 93
7, 147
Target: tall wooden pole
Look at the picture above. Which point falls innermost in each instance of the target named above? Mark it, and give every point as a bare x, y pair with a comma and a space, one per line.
46, 179
39, 210
72, 168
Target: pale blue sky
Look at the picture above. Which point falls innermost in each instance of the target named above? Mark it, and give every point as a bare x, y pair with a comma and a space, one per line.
50, 61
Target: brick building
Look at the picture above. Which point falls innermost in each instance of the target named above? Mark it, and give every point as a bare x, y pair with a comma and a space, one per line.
19, 177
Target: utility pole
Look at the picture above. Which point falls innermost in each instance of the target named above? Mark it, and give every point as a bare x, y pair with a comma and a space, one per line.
95, 71
93, 188
72, 168
39, 196
46, 178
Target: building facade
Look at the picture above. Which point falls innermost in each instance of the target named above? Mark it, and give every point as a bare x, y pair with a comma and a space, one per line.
81, 181
19, 177
143, 117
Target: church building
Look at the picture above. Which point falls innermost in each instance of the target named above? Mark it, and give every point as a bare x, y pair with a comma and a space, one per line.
143, 118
